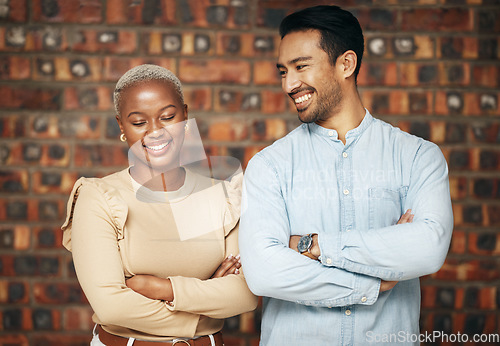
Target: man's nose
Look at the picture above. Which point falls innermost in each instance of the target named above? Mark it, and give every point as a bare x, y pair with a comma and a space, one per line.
290, 82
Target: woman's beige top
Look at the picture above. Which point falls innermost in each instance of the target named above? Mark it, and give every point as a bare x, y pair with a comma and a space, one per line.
116, 229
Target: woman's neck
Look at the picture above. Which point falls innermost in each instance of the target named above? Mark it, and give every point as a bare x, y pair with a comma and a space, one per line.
170, 180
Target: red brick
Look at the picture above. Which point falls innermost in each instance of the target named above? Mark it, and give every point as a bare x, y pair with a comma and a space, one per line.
29, 98
197, 98
12, 126
32, 153
458, 242
128, 11
214, 71
15, 68
228, 129
14, 340
69, 11
274, 102
66, 340
386, 102
415, 74
378, 19
53, 182
486, 76
266, 73
484, 244
115, 67
458, 188
449, 19
101, 155
454, 74
78, 318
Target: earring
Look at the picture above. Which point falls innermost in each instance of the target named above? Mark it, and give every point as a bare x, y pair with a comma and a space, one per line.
123, 138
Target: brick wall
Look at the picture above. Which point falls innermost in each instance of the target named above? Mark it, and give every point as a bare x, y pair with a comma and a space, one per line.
431, 67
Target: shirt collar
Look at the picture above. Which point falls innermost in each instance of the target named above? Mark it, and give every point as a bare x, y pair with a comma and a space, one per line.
351, 134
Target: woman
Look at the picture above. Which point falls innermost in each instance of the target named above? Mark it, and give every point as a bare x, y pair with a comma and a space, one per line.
153, 244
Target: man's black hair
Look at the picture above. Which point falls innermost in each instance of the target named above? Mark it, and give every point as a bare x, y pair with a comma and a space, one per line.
340, 30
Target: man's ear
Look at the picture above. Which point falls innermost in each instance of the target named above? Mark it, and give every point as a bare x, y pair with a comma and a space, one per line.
347, 63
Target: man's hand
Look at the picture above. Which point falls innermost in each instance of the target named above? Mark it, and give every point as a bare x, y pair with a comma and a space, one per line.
151, 286
405, 218
231, 265
315, 250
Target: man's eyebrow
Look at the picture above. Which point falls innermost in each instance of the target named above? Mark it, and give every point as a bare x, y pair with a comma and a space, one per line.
294, 61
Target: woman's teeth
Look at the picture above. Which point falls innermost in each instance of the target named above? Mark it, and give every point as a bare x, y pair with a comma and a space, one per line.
303, 98
157, 147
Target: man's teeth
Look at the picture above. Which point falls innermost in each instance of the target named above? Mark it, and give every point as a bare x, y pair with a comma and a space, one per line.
157, 147
303, 98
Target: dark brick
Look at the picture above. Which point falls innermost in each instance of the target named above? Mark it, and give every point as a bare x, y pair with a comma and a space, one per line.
404, 46
273, 17
259, 128
217, 15
488, 48
186, 14
443, 322
88, 98
17, 210
56, 151
488, 20
455, 73
4, 152
488, 160
486, 241
79, 68
12, 319
251, 101
32, 152
473, 214
445, 298
452, 48
238, 153
455, 133
6, 239
46, 238
232, 324
471, 297
15, 37
50, 8
49, 266
241, 15
51, 179
112, 128
459, 159
380, 103
420, 129
151, 9
474, 324
42, 319
45, 67
427, 73
17, 291
484, 188
48, 210
25, 265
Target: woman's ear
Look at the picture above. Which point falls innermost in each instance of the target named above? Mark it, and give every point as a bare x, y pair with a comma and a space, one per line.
347, 62
119, 121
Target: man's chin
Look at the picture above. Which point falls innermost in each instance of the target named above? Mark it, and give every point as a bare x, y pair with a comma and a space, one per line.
306, 118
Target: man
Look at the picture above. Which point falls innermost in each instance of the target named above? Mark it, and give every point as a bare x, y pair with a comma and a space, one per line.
340, 182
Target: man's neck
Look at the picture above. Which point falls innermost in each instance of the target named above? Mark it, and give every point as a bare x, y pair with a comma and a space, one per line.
346, 117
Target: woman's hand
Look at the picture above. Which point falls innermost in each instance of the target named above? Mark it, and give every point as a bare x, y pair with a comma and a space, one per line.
231, 265
151, 286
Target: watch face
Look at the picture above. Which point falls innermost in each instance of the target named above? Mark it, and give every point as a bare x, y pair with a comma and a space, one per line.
305, 243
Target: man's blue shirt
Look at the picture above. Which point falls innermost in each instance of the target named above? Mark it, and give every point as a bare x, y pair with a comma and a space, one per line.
352, 196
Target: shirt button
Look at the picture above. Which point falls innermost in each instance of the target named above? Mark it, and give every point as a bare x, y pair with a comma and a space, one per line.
363, 300
330, 133
348, 312
346, 192
328, 261
344, 154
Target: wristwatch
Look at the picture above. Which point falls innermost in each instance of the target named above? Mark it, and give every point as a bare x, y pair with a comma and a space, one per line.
305, 244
